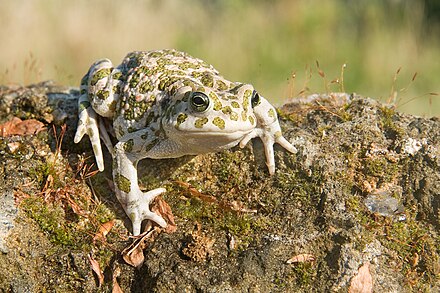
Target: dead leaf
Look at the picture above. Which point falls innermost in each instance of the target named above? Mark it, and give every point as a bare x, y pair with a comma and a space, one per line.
19, 196
116, 288
362, 282
304, 257
194, 192
161, 207
103, 231
198, 246
16, 126
228, 205
134, 253
97, 269
48, 184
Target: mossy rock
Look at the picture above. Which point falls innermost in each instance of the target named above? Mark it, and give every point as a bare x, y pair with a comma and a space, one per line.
349, 148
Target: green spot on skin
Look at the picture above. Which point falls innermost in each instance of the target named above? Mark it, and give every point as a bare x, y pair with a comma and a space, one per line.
150, 118
180, 119
219, 122
155, 54
221, 86
122, 183
117, 89
96, 149
216, 101
234, 104
271, 113
243, 116
100, 74
251, 120
200, 122
207, 80
112, 106
102, 94
121, 131
187, 65
227, 110
117, 75
134, 80
145, 87
246, 96
128, 145
189, 83
278, 134
83, 105
196, 74
163, 61
166, 82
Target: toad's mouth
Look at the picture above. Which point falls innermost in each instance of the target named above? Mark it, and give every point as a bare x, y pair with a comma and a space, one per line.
216, 133
209, 137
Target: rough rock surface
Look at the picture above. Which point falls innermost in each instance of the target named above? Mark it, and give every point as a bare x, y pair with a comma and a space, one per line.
358, 204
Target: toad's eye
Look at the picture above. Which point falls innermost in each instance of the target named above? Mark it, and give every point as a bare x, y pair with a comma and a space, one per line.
199, 101
255, 99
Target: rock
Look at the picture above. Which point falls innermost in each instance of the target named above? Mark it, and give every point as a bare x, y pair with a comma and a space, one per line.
8, 212
361, 195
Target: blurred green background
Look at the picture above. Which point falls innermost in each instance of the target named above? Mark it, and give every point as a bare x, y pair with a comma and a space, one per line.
261, 42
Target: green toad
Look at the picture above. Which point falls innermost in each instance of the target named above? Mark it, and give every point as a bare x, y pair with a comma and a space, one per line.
167, 104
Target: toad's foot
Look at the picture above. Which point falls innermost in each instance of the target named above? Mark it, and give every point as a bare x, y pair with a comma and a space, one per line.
139, 209
89, 124
269, 130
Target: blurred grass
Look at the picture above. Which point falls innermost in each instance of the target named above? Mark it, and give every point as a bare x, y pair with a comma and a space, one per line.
262, 42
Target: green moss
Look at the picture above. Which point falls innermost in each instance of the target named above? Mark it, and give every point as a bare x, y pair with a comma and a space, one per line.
228, 172
323, 128
343, 113
102, 213
416, 253
380, 167
45, 169
303, 186
243, 226
196, 210
388, 124
63, 233
50, 219
104, 256
238, 224
304, 274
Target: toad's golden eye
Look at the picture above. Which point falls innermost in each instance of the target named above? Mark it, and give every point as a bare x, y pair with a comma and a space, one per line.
199, 101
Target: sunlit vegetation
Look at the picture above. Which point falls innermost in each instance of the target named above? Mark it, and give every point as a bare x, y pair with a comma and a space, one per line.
272, 44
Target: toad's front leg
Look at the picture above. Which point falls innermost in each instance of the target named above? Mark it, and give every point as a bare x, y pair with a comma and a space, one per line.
135, 202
